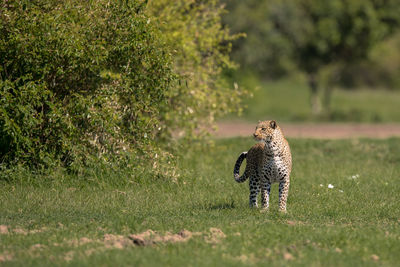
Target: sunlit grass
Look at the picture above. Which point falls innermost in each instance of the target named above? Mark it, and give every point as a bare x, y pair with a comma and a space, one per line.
354, 223
366, 105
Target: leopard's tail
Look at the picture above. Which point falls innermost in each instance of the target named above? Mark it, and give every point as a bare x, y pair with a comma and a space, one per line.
236, 175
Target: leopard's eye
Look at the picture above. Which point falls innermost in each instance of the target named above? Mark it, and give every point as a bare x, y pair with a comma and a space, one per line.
263, 129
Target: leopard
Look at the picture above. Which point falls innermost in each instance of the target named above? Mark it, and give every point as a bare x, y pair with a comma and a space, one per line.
268, 161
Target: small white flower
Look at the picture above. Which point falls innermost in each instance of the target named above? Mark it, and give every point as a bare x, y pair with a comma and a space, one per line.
321, 185
145, 135
341, 191
330, 186
354, 176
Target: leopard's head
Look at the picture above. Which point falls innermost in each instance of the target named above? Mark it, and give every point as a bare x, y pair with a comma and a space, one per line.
265, 130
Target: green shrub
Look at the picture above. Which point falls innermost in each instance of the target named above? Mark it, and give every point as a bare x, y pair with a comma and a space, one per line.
200, 48
79, 80
104, 80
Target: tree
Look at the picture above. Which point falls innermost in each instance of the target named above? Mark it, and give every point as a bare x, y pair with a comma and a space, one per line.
262, 51
315, 34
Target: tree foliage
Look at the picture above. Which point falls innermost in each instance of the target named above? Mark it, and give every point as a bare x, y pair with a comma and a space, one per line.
262, 51
310, 35
83, 81
322, 32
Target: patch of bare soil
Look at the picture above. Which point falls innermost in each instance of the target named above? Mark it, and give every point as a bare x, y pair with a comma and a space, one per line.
215, 236
112, 241
116, 241
318, 131
150, 237
20, 231
6, 256
287, 256
294, 223
146, 238
3, 229
375, 257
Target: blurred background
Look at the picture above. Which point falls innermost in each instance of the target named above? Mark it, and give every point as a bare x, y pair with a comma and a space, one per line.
317, 61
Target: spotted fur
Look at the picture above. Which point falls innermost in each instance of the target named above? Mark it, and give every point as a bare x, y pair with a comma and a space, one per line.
269, 161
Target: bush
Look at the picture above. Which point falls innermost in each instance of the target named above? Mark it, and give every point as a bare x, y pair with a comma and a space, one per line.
200, 48
105, 80
79, 80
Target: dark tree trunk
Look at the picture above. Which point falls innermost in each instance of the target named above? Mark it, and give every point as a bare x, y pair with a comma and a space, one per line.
327, 99
314, 98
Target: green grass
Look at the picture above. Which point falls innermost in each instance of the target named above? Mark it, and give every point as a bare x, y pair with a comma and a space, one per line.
342, 226
288, 100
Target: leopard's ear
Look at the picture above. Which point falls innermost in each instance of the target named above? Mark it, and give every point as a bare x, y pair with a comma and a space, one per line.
272, 124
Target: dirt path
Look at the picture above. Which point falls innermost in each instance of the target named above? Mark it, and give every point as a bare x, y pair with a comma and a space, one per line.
309, 130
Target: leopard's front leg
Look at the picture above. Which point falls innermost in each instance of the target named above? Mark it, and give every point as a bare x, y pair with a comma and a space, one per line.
265, 190
283, 194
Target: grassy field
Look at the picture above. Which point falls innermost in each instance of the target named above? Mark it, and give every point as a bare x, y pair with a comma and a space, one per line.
72, 222
288, 100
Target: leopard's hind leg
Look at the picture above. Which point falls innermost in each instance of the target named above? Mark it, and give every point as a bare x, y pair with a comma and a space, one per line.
254, 186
